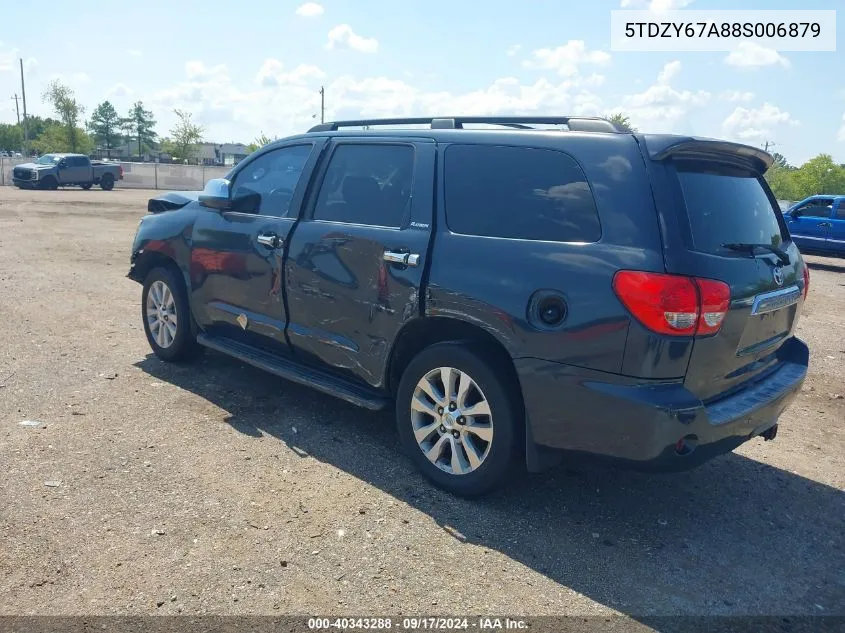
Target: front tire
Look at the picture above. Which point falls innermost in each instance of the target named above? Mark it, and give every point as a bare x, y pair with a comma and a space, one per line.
107, 182
49, 183
166, 315
457, 420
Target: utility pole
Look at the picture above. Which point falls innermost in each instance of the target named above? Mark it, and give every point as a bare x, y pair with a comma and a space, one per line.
322, 104
25, 130
17, 109
768, 144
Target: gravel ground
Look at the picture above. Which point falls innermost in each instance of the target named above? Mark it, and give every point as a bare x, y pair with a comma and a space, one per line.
217, 489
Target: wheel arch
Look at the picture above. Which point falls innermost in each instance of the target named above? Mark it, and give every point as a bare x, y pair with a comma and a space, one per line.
147, 260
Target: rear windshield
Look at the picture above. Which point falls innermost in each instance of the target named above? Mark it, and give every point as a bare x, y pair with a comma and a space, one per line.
727, 205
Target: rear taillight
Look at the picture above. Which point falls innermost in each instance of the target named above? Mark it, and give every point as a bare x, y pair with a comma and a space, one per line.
673, 304
715, 296
806, 281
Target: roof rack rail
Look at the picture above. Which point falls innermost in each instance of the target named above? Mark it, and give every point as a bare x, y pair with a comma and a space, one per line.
575, 123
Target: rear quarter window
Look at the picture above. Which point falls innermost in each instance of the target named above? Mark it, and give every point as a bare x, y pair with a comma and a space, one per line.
518, 192
727, 205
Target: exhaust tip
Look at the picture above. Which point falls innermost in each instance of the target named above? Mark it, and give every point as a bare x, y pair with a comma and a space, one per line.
686, 445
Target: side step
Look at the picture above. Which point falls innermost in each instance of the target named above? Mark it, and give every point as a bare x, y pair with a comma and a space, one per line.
293, 371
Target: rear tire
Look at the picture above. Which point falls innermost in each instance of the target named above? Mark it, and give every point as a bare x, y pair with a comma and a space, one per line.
462, 452
107, 182
166, 314
87, 185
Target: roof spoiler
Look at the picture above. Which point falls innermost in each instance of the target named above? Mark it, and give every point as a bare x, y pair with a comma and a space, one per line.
662, 147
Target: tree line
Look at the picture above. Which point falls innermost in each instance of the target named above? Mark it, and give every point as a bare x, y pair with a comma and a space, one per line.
105, 129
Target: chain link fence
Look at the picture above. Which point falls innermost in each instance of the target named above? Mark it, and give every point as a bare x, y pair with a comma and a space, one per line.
144, 175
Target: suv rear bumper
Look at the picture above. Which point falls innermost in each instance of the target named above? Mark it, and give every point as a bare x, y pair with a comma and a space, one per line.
641, 422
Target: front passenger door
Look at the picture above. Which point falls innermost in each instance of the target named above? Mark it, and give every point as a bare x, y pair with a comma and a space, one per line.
809, 224
237, 255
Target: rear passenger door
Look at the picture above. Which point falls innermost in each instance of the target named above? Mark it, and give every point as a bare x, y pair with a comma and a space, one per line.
356, 260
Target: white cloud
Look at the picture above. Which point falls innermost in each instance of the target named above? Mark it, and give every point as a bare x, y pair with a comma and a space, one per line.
513, 49
841, 135
669, 72
134, 52
342, 36
566, 59
119, 90
736, 95
8, 59
196, 69
282, 101
30, 65
657, 6
272, 73
660, 107
756, 124
750, 55
310, 10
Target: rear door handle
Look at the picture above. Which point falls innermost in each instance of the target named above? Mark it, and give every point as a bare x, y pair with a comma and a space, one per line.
825, 224
270, 240
406, 259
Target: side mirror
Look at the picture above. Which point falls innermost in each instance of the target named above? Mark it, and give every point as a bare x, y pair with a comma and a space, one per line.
63, 164
216, 195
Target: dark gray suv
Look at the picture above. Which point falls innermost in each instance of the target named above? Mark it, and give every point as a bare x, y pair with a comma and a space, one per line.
541, 286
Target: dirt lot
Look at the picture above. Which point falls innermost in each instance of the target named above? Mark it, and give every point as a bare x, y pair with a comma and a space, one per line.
215, 488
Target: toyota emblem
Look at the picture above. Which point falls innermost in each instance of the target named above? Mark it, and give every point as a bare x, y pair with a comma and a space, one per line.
777, 274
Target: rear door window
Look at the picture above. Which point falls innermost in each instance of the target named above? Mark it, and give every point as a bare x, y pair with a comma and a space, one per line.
518, 192
727, 205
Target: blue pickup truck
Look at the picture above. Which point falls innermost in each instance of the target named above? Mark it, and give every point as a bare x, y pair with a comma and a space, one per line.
817, 224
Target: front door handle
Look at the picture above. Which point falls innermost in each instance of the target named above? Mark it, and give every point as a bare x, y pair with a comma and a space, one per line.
406, 259
825, 224
270, 240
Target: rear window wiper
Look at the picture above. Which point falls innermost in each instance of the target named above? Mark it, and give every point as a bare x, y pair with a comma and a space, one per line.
753, 248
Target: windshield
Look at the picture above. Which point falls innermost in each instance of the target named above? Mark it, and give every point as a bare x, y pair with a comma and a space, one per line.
727, 205
47, 159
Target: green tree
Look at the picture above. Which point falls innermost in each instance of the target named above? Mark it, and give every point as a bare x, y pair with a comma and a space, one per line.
140, 125
820, 175
36, 125
621, 120
261, 141
67, 108
782, 182
11, 137
55, 138
185, 136
780, 161
105, 125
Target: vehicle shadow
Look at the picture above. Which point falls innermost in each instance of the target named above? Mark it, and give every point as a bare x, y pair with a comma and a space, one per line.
734, 537
828, 266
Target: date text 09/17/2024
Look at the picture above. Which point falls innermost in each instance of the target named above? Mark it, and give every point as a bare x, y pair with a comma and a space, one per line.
418, 623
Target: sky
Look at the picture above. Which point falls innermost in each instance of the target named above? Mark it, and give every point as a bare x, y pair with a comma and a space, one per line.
256, 66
